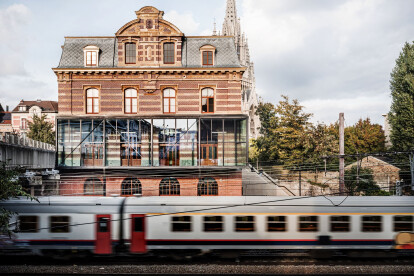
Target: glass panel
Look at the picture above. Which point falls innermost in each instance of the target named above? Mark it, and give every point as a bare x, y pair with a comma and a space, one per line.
244, 224
211, 105
28, 224
59, 224
138, 224
113, 143
166, 105
403, 223
181, 224
276, 224
308, 224
127, 106
134, 105
213, 224
95, 105
340, 224
103, 225
172, 105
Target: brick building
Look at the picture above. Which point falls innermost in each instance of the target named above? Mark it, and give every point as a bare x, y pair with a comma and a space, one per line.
5, 120
23, 113
150, 111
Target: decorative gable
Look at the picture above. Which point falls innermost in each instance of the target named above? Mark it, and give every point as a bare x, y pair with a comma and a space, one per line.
149, 31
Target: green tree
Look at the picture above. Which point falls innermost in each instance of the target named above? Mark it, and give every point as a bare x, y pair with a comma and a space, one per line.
364, 137
10, 187
41, 130
401, 115
282, 128
361, 182
320, 140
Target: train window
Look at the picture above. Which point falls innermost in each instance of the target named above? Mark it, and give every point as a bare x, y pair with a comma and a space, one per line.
28, 224
308, 223
244, 224
276, 224
138, 224
59, 224
371, 224
213, 224
403, 223
340, 224
181, 224
103, 225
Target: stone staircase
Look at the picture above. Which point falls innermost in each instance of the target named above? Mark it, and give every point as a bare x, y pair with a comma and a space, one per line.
260, 184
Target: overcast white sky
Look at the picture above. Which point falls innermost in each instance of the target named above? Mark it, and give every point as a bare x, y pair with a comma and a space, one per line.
332, 55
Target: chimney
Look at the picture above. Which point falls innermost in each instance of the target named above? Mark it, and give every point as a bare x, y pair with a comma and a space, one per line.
7, 108
38, 100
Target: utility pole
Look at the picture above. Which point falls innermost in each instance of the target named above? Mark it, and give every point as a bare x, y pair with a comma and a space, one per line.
341, 154
300, 182
412, 169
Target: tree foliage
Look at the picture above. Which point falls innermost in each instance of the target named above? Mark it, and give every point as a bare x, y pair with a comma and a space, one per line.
364, 137
41, 130
10, 187
288, 137
401, 115
361, 182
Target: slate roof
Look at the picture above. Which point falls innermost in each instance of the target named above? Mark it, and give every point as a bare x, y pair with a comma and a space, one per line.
48, 106
72, 54
226, 55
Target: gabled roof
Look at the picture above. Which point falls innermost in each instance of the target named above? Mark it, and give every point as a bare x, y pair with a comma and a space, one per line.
47, 106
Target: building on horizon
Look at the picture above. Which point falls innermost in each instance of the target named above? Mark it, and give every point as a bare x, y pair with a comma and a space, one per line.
5, 120
150, 111
23, 113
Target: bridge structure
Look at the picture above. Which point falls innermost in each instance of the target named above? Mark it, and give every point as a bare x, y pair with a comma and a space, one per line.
20, 151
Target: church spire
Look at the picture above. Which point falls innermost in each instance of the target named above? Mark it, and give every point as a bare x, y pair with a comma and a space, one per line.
230, 24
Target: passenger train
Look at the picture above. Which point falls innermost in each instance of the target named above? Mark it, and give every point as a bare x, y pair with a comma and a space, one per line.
196, 225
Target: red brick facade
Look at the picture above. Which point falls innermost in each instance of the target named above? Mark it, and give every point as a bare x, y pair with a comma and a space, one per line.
149, 75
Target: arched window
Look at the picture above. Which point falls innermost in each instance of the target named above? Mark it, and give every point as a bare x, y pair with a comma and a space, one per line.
207, 100
207, 186
92, 101
131, 186
169, 100
131, 101
169, 53
93, 186
169, 186
130, 53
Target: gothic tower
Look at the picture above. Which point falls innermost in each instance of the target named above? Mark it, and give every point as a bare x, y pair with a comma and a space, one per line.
231, 27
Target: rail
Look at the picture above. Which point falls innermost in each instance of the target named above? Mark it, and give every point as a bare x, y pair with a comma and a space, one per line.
17, 140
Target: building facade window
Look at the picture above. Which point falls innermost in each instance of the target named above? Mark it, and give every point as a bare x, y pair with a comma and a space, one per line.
131, 186
23, 124
169, 186
130, 53
91, 58
207, 187
94, 187
207, 57
169, 53
92, 101
207, 100
169, 100
131, 101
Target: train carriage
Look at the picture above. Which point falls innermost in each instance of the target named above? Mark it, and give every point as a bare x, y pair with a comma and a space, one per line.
103, 225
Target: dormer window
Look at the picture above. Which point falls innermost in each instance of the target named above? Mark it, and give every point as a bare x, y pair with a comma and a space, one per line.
91, 56
22, 108
207, 55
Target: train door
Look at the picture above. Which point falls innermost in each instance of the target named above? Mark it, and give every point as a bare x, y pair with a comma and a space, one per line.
138, 242
103, 243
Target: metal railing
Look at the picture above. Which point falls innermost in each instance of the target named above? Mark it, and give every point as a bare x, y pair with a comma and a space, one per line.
18, 140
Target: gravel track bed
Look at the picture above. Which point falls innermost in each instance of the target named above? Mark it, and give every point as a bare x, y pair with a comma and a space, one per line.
207, 269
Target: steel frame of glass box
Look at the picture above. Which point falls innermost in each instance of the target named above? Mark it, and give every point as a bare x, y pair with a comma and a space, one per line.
152, 142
